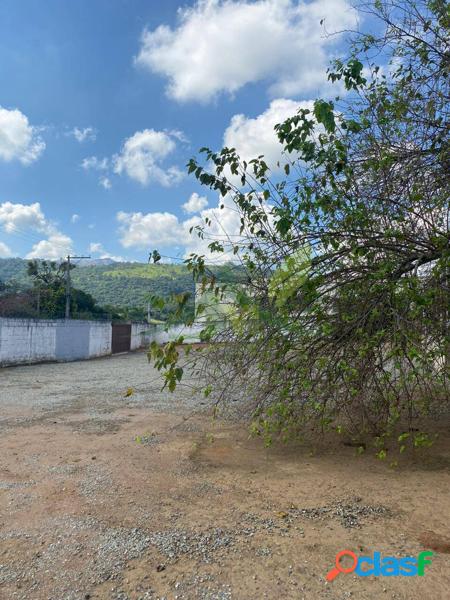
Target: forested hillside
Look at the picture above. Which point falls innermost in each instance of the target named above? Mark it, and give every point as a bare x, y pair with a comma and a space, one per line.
131, 284
119, 284
122, 285
14, 269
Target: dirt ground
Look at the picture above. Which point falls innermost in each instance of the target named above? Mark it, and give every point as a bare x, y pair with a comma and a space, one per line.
116, 497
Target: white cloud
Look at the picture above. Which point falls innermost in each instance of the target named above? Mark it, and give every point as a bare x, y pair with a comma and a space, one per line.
221, 46
113, 257
19, 218
195, 203
225, 224
83, 134
142, 154
179, 135
141, 158
149, 230
55, 247
95, 163
105, 182
15, 217
254, 136
5, 251
18, 139
75, 218
97, 248
164, 230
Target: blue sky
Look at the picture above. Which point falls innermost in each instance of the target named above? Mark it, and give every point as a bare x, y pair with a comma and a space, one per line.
104, 101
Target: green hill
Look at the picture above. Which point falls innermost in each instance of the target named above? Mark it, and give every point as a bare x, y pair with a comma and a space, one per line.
122, 285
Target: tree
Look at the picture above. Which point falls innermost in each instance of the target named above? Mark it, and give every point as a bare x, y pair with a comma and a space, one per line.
353, 337
49, 286
49, 279
47, 273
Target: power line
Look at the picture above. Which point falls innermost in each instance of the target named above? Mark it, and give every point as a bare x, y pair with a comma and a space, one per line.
34, 239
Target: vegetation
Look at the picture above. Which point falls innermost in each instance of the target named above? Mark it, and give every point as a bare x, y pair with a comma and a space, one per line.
123, 289
344, 321
47, 296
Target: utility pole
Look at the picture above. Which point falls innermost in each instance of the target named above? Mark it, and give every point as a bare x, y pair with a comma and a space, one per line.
68, 282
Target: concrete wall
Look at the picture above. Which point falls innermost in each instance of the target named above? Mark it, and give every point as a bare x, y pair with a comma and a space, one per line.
141, 335
190, 334
29, 340
23, 340
99, 338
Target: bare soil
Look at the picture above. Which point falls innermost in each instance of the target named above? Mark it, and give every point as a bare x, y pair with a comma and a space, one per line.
109, 496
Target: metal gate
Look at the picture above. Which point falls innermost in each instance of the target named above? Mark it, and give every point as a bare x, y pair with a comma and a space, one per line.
121, 337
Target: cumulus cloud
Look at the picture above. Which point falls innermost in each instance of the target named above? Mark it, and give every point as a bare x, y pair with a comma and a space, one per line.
139, 230
5, 251
97, 248
166, 230
75, 218
55, 247
142, 158
195, 203
221, 46
18, 139
142, 155
83, 134
254, 136
224, 226
21, 218
15, 217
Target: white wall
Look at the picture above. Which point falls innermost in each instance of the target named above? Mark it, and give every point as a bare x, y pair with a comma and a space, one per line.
99, 339
141, 335
190, 334
32, 340
22, 340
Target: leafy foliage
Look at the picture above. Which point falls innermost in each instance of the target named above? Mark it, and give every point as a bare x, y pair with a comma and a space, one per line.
356, 337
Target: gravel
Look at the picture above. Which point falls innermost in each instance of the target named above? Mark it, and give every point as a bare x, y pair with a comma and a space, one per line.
71, 555
96, 481
14, 485
56, 389
201, 587
349, 512
109, 549
174, 544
